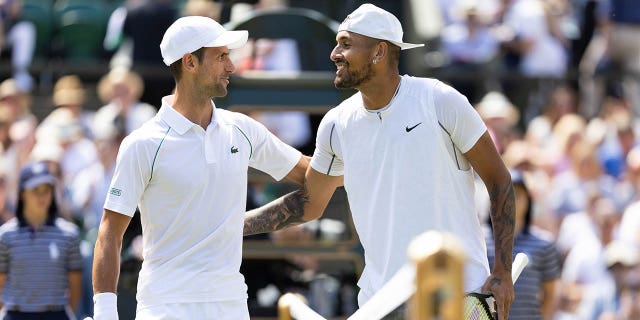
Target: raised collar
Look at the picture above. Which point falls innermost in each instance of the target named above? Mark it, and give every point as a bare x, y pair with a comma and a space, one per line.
177, 121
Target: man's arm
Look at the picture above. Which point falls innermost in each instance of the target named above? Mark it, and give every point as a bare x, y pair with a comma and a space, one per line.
486, 161
106, 258
75, 288
3, 277
297, 173
302, 205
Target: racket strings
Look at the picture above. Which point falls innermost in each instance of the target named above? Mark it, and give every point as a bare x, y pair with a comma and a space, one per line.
476, 308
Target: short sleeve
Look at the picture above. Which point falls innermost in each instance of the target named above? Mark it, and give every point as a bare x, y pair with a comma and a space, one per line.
270, 154
74, 261
4, 255
130, 177
327, 157
551, 262
458, 117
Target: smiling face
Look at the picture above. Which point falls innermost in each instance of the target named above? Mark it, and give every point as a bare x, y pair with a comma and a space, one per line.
353, 56
213, 72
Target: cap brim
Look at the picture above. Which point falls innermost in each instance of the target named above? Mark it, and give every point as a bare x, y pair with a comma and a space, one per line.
231, 39
36, 181
405, 46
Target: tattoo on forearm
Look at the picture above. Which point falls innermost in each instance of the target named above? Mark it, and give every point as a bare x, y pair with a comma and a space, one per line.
503, 221
281, 213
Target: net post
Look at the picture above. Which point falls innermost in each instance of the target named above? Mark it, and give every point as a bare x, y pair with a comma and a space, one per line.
439, 259
284, 307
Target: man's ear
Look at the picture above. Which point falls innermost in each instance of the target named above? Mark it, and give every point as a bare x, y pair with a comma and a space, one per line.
189, 62
382, 50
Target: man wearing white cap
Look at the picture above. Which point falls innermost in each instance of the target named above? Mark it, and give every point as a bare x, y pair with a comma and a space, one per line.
407, 149
186, 171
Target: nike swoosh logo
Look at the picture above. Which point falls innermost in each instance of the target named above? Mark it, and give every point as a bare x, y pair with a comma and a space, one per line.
411, 128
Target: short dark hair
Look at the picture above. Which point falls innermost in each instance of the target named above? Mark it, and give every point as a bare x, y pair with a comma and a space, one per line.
176, 67
394, 53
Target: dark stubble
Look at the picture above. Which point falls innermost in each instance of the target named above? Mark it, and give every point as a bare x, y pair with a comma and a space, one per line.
354, 78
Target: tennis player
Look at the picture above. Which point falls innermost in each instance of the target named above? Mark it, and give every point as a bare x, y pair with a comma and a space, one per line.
186, 170
407, 149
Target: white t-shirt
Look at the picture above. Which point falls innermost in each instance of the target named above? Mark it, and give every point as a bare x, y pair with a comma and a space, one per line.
190, 186
405, 175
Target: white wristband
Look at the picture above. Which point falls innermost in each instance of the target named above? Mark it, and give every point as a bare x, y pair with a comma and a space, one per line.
105, 306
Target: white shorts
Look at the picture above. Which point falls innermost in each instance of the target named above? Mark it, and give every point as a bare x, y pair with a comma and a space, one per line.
222, 310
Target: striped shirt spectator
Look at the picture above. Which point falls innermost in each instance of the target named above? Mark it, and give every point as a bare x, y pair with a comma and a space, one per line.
545, 266
40, 260
36, 263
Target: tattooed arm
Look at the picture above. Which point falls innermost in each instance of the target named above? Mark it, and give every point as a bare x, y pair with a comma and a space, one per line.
305, 204
487, 163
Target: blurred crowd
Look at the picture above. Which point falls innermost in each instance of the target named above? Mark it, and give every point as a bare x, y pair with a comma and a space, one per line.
557, 83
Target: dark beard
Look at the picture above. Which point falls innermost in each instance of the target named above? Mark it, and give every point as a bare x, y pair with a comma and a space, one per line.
355, 78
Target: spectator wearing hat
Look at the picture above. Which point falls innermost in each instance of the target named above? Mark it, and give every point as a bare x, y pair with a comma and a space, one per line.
501, 118
121, 90
610, 298
40, 261
15, 100
69, 93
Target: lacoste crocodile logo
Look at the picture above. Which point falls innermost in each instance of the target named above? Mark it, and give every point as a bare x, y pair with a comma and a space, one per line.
234, 149
411, 128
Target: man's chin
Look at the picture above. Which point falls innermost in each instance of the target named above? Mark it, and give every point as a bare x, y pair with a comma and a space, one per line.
341, 84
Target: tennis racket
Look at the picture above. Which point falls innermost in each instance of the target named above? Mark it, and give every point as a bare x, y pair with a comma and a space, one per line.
481, 306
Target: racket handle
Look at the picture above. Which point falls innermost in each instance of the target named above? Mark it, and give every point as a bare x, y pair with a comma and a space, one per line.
521, 260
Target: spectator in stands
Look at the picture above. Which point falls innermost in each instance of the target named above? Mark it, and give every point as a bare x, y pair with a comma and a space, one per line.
583, 238
275, 55
6, 212
501, 118
69, 93
20, 36
539, 50
142, 16
204, 8
630, 224
358, 144
561, 100
16, 100
121, 90
40, 261
16, 133
540, 46
618, 136
536, 287
469, 47
622, 260
615, 46
79, 152
570, 190
22, 136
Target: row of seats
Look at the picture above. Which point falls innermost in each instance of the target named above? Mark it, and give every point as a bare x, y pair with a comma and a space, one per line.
71, 29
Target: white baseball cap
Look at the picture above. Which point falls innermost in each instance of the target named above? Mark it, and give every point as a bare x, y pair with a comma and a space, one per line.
371, 21
191, 33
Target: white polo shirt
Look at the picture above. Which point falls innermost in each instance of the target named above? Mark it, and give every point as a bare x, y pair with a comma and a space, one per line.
404, 174
190, 185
